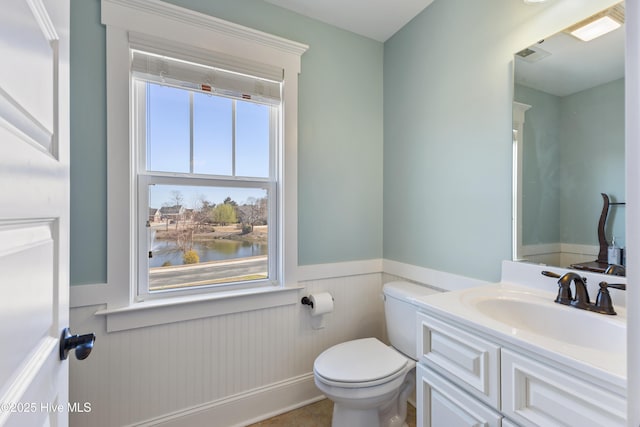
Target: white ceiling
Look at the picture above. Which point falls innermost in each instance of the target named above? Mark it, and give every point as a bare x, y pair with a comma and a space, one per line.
574, 65
375, 19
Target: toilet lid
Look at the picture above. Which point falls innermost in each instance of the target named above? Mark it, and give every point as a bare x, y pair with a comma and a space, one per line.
359, 361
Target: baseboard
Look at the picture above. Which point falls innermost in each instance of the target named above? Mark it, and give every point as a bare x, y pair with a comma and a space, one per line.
539, 249
244, 408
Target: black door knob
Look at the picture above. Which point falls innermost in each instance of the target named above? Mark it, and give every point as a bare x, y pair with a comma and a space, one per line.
82, 343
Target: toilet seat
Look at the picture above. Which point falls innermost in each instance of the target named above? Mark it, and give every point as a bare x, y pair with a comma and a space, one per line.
360, 363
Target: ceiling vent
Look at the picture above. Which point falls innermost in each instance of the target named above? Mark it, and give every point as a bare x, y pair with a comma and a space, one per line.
532, 54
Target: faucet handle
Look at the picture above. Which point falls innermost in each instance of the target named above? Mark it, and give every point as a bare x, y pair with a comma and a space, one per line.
564, 288
603, 300
550, 274
557, 276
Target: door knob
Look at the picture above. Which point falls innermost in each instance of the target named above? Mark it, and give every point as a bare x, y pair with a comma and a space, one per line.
82, 343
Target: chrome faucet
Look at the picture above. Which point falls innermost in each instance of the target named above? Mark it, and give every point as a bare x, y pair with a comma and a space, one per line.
603, 302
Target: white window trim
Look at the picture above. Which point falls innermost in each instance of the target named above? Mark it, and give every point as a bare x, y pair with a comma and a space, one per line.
157, 19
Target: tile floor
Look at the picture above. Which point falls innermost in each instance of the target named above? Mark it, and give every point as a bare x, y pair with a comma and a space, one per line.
315, 415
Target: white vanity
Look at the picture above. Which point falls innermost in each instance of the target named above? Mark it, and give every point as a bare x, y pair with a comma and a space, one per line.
507, 355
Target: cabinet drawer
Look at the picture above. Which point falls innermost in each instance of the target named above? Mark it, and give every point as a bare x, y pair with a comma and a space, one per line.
443, 404
534, 394
467, 360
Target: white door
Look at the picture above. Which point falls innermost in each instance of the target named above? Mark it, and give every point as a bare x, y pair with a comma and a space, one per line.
34, 211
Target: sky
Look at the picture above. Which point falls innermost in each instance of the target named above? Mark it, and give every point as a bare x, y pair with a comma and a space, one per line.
168, 143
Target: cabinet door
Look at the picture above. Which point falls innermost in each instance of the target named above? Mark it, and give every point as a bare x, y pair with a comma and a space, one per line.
468, 360
442, 404
534, 394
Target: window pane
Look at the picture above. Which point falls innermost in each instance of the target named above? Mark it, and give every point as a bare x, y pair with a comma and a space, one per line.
168, 146
201, 236
252, 140
212, 134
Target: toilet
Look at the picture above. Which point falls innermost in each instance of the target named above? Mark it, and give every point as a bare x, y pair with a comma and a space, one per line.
368, 381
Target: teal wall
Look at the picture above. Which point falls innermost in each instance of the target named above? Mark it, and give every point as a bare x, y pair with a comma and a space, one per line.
448, 91
573, 151
340, 135
540, 167
441, 120
88, 260
592, 153
447, 151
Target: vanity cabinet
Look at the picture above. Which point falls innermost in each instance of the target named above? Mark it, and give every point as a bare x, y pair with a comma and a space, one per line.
467, 378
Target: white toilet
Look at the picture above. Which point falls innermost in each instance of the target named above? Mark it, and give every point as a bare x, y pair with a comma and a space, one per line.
368, 381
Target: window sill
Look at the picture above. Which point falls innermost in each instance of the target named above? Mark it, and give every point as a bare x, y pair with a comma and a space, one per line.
170, 310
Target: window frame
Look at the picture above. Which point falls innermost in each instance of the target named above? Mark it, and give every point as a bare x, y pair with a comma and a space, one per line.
204, 35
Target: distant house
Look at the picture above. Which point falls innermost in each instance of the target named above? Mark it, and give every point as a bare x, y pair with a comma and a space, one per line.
154, 215
172, 213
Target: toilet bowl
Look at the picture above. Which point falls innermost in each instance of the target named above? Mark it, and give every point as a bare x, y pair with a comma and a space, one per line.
369, 381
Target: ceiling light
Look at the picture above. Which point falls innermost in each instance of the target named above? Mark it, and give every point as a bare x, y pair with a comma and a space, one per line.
534, 1
598, 24
596, 29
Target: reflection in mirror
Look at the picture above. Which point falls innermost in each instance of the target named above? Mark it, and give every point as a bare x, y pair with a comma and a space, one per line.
568, 130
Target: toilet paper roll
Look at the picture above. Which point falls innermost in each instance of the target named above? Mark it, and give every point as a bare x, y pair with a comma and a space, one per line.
322, 303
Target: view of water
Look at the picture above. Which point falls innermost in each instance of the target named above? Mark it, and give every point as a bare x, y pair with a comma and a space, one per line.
214, 250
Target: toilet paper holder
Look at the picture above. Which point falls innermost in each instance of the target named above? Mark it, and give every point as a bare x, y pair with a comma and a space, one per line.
307, 301
321, 304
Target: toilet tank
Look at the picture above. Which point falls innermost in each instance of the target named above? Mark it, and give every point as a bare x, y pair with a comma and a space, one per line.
400, 314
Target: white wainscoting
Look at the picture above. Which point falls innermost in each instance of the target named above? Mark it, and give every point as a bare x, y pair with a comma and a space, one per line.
439, 280
215, 370
559, 253
231, 369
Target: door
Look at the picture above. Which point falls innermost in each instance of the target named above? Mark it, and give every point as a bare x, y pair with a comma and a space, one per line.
34, 211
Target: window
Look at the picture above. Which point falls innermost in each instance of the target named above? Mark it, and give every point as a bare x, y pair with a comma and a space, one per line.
231, 94
205, 140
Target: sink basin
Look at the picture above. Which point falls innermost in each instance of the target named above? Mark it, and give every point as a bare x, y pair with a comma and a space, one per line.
555, 321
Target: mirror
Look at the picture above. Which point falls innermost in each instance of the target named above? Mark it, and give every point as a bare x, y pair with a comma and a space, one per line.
568, 131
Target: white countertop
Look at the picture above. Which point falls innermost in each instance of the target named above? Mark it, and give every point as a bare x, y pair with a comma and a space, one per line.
595, 346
